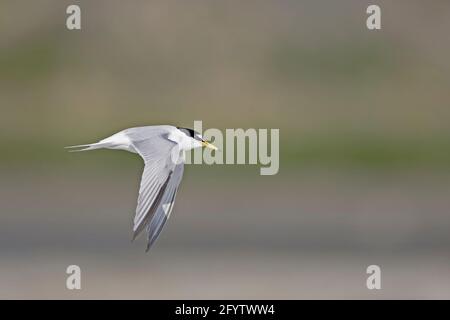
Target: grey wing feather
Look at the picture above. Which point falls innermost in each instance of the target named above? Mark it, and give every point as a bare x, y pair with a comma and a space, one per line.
159, 182
161, 215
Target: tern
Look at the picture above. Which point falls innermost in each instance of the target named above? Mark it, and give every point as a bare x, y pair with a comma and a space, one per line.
163, 150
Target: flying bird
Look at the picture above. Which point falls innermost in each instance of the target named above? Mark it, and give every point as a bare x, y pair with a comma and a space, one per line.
163, 149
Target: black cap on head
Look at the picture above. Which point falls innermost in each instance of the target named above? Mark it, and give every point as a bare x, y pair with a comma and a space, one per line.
190, 133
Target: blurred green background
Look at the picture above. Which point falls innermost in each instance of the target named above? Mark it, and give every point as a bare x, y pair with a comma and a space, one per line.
364, 151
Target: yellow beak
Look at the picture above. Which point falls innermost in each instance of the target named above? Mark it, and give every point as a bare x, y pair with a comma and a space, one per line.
209, 145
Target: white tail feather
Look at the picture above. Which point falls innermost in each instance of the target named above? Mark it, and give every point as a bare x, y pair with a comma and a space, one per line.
87, 147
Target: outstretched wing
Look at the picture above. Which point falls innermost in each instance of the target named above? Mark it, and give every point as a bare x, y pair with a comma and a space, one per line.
160, 179
161, 215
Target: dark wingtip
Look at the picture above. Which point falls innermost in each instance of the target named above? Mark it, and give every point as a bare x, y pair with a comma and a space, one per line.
150, 243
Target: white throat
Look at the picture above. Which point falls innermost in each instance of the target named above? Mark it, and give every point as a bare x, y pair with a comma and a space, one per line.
184, 142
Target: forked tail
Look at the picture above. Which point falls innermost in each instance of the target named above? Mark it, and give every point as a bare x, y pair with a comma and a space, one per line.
87, 147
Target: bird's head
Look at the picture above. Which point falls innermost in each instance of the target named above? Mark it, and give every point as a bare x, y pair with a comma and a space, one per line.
197, 137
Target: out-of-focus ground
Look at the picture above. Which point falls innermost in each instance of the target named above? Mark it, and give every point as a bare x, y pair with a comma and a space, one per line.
364, 154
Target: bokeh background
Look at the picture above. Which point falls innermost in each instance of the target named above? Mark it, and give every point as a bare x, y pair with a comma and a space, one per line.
364, 159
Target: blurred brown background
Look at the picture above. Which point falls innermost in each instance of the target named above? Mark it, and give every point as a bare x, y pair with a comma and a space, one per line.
364, 164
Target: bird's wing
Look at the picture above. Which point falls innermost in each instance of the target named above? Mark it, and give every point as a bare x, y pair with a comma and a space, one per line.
161, 215
160, 179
